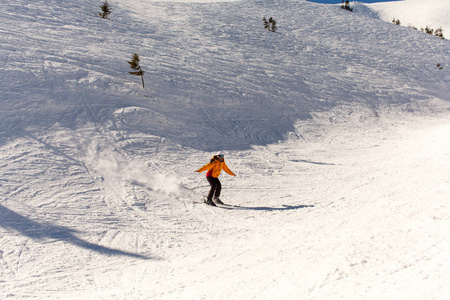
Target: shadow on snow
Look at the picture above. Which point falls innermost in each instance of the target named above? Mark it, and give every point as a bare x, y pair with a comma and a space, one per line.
35, 230
265, 208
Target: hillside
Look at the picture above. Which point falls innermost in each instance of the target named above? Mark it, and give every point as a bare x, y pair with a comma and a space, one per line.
417, 13
337, 126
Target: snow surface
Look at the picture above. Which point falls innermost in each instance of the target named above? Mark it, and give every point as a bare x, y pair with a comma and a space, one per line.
337, 126
417, 13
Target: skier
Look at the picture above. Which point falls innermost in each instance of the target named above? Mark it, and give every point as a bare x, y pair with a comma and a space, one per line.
214, 167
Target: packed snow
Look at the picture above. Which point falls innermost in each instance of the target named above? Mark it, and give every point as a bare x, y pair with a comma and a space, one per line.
337, 126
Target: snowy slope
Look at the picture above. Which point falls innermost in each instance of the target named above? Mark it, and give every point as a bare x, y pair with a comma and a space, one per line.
337, 126
417, 13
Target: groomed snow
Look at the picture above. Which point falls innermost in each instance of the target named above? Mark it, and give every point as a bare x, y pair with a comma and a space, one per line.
337, 127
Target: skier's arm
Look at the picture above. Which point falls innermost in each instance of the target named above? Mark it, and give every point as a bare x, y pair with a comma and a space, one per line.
205, 167
226, 169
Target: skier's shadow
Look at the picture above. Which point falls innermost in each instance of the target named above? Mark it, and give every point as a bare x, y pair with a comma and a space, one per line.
285, 207
12, 220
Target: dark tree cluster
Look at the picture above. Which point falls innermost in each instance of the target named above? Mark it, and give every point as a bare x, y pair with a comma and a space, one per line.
437, 32
427, 29
270, 25
346, 5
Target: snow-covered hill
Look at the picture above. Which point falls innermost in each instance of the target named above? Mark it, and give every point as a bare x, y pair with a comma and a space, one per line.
417, 13
337, 126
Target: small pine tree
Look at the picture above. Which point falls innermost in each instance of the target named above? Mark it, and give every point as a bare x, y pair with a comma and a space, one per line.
134, 64
346, 5
106, 10
270, 25
428, 30
396, 21
273, 26
438, 32
266, 24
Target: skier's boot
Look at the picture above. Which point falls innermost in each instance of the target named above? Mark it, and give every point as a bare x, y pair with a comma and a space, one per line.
209, 202
218, 201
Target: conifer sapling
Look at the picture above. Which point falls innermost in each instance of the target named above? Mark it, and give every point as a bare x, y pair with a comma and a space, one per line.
346, 5
106, 10
134, 64
266, 24
270, 25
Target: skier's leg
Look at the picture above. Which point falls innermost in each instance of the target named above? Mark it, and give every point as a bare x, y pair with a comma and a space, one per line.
218, 188
212, 190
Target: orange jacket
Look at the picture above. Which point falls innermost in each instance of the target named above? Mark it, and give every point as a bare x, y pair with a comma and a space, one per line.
214, 168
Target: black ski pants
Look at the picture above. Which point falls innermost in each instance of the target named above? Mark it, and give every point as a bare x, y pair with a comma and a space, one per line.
216, 187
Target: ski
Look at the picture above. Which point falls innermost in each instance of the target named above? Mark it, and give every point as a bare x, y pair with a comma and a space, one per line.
224, 206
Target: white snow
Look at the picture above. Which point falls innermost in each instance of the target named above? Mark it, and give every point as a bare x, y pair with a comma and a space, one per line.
417, 13
337, 127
